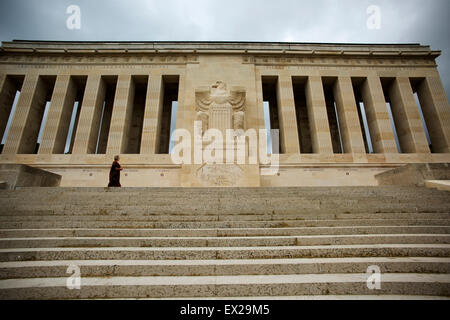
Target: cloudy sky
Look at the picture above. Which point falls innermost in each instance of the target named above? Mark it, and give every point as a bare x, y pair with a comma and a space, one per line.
402, 21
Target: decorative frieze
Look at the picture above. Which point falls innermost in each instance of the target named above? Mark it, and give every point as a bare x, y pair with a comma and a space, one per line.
31, 60
337, 61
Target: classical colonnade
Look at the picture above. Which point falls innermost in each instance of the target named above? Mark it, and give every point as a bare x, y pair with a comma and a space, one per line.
122, 100
342, 95
138, 108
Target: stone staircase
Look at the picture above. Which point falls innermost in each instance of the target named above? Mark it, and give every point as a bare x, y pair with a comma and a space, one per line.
245, 243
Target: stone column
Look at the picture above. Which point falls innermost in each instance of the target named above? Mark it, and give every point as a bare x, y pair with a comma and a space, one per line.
7, 95
378, 120
180, 116
121, 115
90, 116
260, 110
349, 123
287, 115
317, 114
29, 109
436, 111
152, 115
105, 123
58, 117
408, 123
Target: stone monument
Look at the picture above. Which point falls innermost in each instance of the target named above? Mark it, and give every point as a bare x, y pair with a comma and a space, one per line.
344, 113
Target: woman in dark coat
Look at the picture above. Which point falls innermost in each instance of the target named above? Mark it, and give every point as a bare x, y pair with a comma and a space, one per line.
114, 173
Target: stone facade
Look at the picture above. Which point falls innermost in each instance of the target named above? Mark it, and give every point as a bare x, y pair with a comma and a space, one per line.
125, 91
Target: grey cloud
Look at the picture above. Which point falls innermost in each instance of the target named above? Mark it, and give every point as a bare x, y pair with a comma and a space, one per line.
403, 21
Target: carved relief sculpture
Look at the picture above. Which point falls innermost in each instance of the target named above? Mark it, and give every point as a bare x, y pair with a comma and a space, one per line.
219, 108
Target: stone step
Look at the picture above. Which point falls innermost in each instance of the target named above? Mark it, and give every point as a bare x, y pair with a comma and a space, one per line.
261, 208
134, 268
77, 197
229, 232
224, 286
215, 217
271, 241
219, 190
221, 224
301, 193
155, 243
210, 253
205, 189
36, 194
155, 216
280, 206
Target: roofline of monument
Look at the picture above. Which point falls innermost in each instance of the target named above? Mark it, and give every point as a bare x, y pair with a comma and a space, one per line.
218, 42
221, 47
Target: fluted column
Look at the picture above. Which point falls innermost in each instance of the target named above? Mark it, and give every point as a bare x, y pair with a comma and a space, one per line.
25, 124
408, 123
436, 111
121, 115
90, 116
349, 123
58, 117
317, 114
378, 120
287, 116
152, 115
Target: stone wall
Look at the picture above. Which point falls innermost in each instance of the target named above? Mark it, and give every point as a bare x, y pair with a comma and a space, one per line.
414, 174
18, 175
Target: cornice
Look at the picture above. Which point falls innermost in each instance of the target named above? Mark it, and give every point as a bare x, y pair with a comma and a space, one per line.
250, 48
